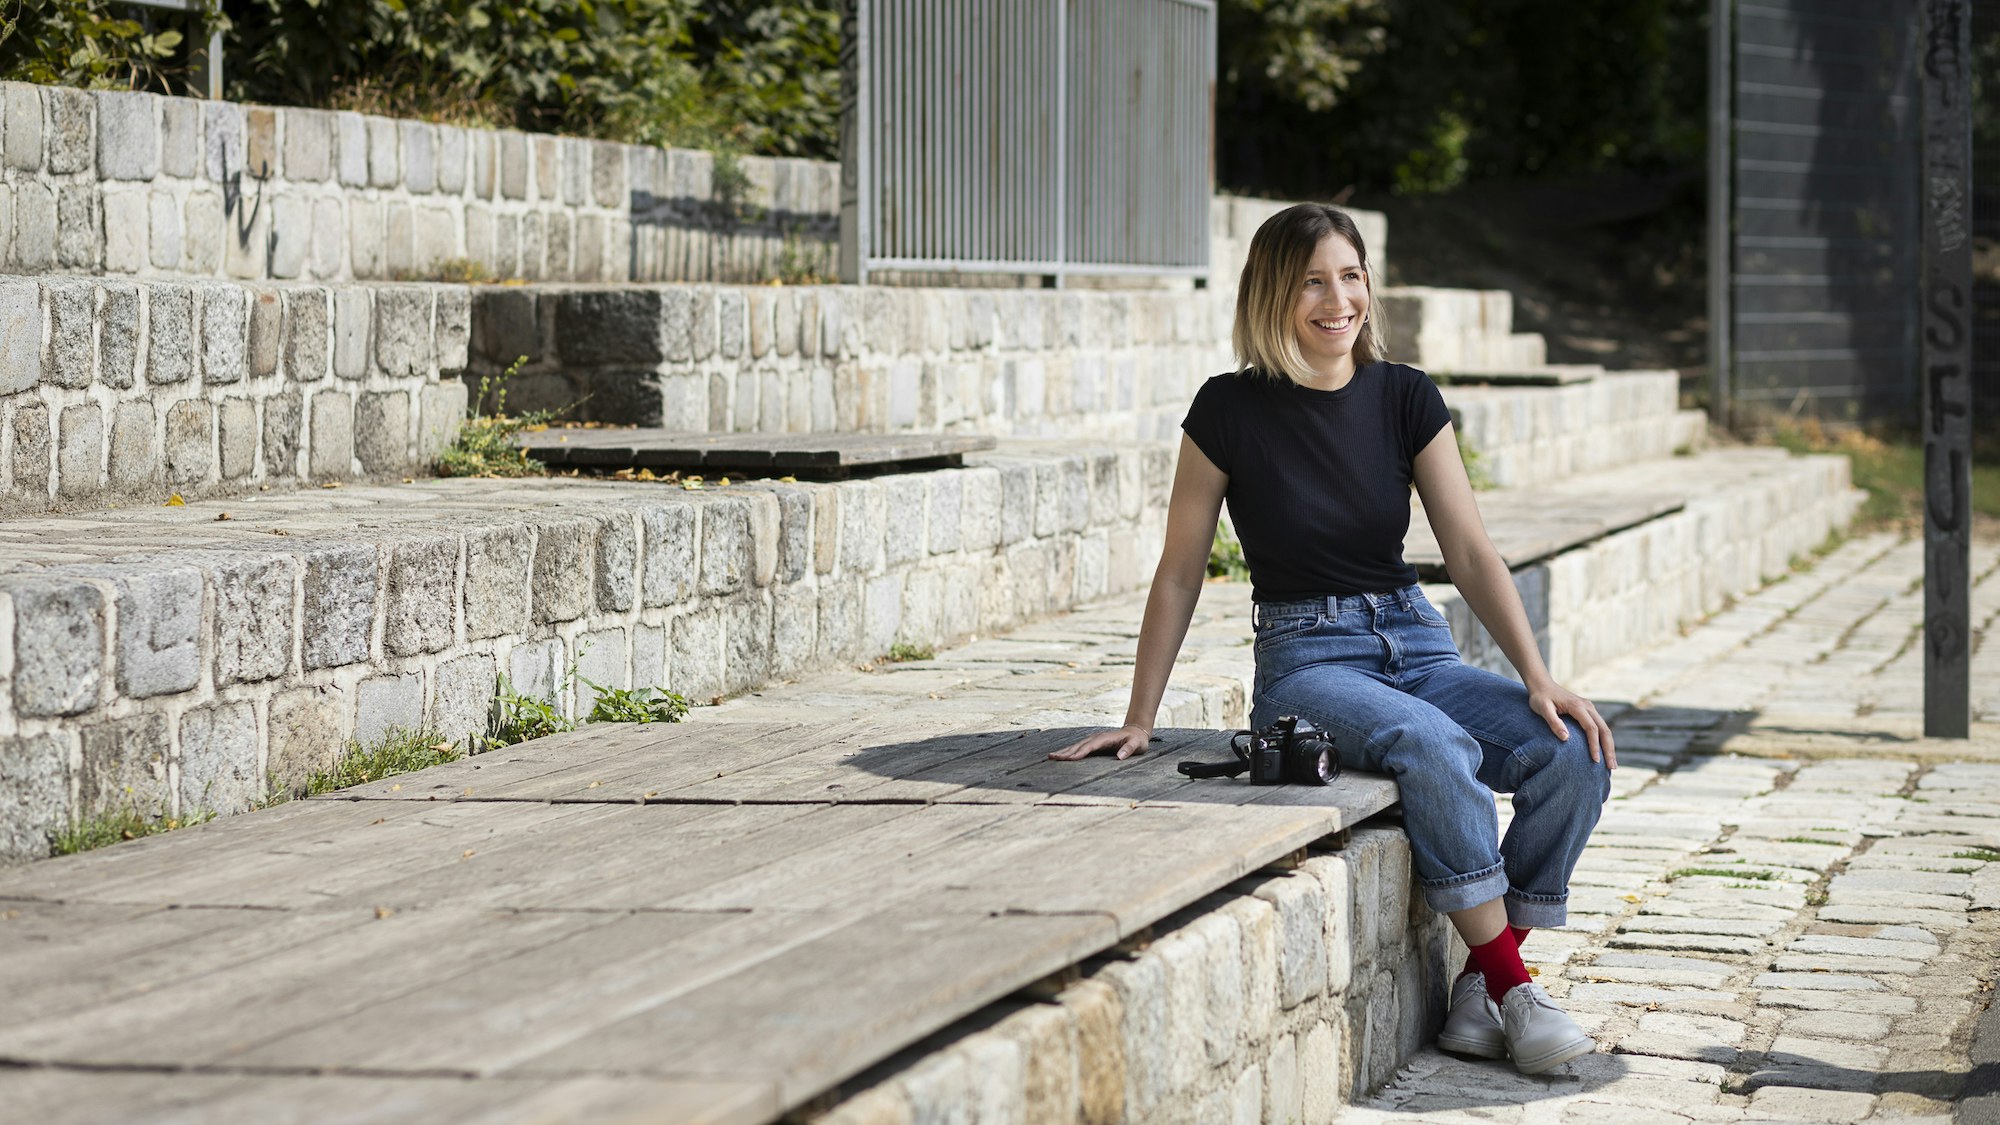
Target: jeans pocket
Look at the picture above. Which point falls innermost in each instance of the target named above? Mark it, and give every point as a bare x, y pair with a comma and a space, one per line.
1279, 628
1427, 614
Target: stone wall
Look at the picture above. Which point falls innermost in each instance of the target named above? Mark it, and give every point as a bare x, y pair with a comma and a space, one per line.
1118, 365
1280, 999
132, 184
129, 390
1534, 435
173, 661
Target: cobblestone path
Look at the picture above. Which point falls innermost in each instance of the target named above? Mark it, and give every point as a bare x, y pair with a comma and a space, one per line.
1791, 909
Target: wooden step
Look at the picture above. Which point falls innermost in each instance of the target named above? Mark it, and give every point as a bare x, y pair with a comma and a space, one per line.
815, 454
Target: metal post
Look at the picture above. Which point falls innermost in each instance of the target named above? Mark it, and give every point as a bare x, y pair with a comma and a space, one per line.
1062, 141
1946, 27
854, 146
1720, 127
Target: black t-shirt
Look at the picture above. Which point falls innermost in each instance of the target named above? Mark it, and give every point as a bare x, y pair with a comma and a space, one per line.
1319, 481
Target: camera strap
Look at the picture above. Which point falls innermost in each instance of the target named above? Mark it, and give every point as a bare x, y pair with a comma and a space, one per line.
1214, 769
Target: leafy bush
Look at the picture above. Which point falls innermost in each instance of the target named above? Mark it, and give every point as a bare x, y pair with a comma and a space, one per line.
518, 718
635, 705
93, 44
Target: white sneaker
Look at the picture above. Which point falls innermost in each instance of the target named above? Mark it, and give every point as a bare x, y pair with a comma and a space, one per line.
1538, 1034
1473, 1027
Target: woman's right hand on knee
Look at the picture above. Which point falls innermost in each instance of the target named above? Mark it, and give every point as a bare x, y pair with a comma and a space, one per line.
1124, 742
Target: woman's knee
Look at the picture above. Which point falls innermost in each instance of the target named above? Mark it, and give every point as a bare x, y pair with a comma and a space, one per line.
1567, 764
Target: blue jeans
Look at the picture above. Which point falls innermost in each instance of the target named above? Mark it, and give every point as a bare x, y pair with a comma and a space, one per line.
1379, 674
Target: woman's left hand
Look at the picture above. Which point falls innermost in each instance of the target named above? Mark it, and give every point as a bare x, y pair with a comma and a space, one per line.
1555, 701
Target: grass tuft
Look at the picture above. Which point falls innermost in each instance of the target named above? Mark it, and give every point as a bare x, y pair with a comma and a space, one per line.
399, 752
1890, 470
1723, 873
1982, 855
485, 445
1812, 840
900, 653
115, 827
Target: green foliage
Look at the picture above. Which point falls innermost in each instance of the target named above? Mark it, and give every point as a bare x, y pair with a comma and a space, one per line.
517, 718
114, 827
1475, 465
400, 751
485, 445
1983, 855
635, 705
93, 44
1722, 873
901, 653
1890, 469
1225, 557
730, 76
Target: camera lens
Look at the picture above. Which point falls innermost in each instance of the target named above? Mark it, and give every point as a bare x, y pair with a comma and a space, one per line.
1324, 763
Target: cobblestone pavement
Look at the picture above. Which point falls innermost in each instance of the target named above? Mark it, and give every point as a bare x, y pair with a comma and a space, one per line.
1805, 931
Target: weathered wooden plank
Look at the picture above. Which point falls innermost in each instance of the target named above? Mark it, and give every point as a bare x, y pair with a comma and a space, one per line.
875, 986
1526, 527
1554, 375
60, 1096
655, 448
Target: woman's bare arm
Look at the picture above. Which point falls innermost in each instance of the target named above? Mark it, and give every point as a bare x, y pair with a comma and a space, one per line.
1191, 514
1485, 583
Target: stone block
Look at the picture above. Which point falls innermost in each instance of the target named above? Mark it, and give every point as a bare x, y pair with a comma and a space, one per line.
904, 508
34, 795
265, 334
746, 630
385, 706
602, 660
291, 235
419, 156
441, 411
190, 442
353, 315
462, 697
610, 326
451, 159
118, 334
497, 568
135, 447
882, 613
34, 456
367, 238
260, 142
649, 656
71, 118
403, 332
128, 136
307, 335
72, 339
419, 609
204, 232
253, 617
563, 552
21, 126
617, 561
338, 620
125, 767
219, 760
513, 161
128, 231
282, 418
58, 645
225, 326
667, 575
34, 227
350, 133
170, 334
181, 137
535, 670
331, 453
236, 437
79, 227
329, 225
304, 734
861, 527
1301, 905
382, 431
726, 545
223, 132
159, 633
454, 329
1319, 1075
385, 168
696, 670
308, 145
838, 631
20, 335
80, 454
1017, 503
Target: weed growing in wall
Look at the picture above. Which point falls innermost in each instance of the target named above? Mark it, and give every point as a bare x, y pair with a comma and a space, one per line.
485, 445
399, 752
116, 827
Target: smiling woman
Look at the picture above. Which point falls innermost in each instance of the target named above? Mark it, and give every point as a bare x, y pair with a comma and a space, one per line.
1315, 444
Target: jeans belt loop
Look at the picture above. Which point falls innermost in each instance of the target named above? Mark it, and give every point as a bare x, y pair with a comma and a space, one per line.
1332, 607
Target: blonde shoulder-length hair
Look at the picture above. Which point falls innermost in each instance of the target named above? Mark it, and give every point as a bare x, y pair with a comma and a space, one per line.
1274, 269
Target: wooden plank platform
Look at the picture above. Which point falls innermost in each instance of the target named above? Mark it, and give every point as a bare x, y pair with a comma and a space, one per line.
1554, 375
1530, 525
816, 454
725, 919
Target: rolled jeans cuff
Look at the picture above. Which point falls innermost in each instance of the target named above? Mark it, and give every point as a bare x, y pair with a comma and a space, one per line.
1536, 912
1462, 892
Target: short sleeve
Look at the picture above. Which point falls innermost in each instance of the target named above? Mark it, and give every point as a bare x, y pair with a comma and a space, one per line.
1207, 421
1424, 413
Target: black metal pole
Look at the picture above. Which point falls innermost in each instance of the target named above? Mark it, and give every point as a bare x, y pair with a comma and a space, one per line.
1947, 365
1720, 126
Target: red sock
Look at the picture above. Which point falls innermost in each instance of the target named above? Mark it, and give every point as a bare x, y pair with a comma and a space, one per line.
1500, 960
1520, 937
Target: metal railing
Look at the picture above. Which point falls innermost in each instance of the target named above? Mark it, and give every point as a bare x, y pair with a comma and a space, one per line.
1049, 137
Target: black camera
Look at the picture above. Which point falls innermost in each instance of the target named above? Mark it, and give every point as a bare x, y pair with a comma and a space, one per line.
1287, 751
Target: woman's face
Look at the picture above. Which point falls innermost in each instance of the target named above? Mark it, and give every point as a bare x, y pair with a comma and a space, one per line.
1332, 302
